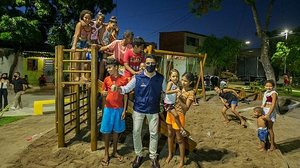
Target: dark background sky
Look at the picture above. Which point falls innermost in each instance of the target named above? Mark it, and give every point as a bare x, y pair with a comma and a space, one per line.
148, 18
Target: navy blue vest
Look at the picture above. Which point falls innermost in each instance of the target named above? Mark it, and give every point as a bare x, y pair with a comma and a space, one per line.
147, 93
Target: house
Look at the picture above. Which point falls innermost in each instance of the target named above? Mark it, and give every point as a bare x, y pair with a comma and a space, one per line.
249, 68
181, 41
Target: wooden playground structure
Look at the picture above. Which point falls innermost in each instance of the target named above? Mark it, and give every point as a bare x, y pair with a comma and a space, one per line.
80, 111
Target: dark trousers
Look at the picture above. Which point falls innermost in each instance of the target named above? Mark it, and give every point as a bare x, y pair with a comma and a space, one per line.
3, 94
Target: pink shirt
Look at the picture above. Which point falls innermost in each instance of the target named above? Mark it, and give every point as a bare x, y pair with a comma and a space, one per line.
134, 60
119, 50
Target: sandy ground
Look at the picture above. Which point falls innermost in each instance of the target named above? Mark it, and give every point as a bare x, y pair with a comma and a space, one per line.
32, 142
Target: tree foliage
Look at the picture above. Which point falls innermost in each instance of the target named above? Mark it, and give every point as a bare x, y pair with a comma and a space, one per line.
222, 52
288, 51
261, 28
35, 22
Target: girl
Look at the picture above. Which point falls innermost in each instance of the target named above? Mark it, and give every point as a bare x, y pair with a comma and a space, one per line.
170, 98
230, 100
184, 99
4, 83
97, 26
269, 105
81, 38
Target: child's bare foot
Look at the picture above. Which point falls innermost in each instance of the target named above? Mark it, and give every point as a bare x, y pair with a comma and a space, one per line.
169, 158
262, 150
181, 164
272, 148
226, 122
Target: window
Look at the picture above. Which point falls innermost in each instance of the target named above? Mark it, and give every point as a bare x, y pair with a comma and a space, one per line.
32, 64
192, 41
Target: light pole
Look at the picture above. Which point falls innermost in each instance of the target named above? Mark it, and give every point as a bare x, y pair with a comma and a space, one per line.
286, 32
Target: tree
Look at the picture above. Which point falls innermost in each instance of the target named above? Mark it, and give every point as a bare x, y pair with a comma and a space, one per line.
197, 7
36, 23
222, 52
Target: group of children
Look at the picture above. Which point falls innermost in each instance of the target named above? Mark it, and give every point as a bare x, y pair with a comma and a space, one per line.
266, 114
179, 94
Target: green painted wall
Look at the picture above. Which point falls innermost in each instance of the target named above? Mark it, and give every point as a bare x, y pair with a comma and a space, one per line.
33, 74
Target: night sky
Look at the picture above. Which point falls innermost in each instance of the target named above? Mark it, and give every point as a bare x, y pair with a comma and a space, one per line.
148, 18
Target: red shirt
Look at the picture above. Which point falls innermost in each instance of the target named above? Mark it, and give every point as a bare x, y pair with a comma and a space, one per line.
114, 99
134, 60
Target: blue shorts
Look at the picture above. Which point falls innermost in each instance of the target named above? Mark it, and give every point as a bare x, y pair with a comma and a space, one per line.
111, 121
262, 134
88, 56
81, 44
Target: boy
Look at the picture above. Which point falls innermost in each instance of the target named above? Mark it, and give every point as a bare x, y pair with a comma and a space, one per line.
133, 58
114, 111
262, 131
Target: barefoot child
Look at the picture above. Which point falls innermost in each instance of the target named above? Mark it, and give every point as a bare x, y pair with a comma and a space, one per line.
114, 111
184, 99
81, 39
230, 100
269, 105
171, 92
262, 131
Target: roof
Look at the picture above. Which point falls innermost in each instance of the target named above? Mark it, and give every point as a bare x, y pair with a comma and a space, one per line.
186, 32
39, 54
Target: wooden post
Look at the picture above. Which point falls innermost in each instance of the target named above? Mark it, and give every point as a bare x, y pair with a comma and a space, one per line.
60, 96
56, 88
202, 78
93, 100
77, 113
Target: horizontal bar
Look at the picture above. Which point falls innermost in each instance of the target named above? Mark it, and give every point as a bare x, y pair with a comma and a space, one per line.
178, 53
77, 50
71, 129
69, 94
69, 112
70, 121
69, 103
74, 83
76, 60
76, 71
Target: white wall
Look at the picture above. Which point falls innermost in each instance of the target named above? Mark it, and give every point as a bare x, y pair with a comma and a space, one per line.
5, 64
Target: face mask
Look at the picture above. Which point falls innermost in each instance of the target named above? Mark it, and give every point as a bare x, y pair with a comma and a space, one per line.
4, 77
150, 68
15, 76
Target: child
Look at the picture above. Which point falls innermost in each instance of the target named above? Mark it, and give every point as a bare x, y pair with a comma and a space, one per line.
4, 84
269, 105
262, 131
97, 26
133, 58
230, 100
171, 90
184, 99
109, 33
81, 38
142, 66
114, 111
118, 48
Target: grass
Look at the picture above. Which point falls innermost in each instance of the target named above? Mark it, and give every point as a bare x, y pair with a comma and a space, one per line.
10, 119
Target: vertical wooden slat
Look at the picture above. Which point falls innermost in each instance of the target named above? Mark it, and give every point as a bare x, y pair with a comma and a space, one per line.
60, 97
93, 99
77, 114
202, 77
56, 88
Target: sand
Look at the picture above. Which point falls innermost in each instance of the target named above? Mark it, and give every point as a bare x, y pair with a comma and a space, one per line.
218, 145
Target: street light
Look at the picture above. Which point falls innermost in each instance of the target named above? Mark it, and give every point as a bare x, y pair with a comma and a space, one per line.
286, 32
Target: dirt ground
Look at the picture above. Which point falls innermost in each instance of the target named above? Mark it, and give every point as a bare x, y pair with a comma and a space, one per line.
32, 142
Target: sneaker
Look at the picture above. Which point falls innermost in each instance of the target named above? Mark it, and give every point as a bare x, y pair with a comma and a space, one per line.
12, 108
137, 162
155, 163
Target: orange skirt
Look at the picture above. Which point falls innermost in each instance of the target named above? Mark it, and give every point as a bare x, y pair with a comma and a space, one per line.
170, 119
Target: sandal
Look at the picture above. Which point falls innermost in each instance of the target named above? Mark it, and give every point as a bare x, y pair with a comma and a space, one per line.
104, 162
118, 156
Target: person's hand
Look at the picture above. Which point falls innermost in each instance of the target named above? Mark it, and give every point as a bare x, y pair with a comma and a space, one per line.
227, 105
138, 72
114, 88
73, 49
123, 115
179, 94
267, 117
104, 93
22, 92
